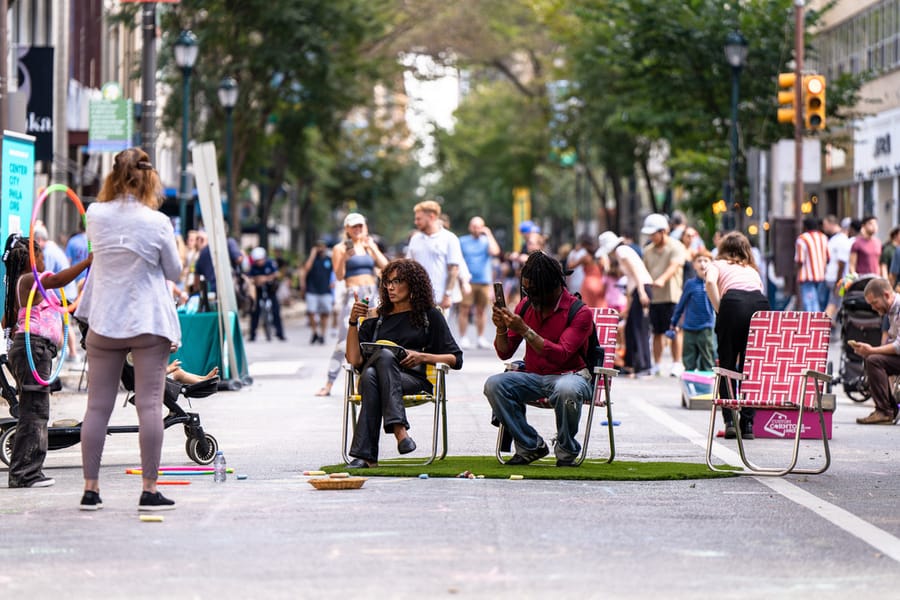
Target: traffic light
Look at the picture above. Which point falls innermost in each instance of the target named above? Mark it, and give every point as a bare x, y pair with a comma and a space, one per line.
787, 98
814, 102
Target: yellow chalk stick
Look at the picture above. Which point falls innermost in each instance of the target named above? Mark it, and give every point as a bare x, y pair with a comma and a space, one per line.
339, 475
516, 477
151, 518
313, 472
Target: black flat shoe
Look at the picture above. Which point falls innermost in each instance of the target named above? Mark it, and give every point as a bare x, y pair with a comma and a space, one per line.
357, 463
530, 455
406, 445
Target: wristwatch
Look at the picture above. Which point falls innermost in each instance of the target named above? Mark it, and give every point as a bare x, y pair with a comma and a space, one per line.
352, 324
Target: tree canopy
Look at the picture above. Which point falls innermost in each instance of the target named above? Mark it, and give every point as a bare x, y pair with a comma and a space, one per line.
559, 95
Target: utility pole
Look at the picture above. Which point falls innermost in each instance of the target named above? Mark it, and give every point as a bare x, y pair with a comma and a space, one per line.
4, 75
148, 81
798, 121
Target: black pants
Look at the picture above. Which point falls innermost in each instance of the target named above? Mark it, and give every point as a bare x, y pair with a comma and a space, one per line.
257, 309
382, 385
732, 329
30, 446
637, 334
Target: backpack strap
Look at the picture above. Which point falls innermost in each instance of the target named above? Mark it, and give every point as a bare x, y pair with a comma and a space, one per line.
525, 306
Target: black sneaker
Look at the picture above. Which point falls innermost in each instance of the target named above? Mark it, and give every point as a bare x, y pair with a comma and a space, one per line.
730, 432
153, 502
529, 456
90, 501
747, 434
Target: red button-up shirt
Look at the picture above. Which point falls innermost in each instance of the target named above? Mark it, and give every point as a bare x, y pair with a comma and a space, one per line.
563, 346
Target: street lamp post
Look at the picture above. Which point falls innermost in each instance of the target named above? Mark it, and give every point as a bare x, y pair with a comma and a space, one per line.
186, 50
228, 95
736, 55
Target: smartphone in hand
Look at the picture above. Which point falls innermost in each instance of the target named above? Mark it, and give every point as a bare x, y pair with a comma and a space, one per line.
499, 297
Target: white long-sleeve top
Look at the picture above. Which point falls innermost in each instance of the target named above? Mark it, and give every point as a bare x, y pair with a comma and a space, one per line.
126, 294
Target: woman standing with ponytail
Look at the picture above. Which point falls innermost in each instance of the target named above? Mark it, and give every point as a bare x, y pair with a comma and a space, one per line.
735, 291
129, 309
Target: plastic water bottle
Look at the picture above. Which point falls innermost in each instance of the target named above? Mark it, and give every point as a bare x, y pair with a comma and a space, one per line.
219, 467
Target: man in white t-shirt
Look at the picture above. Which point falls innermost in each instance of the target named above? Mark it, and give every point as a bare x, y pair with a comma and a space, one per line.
839, 256
438, 250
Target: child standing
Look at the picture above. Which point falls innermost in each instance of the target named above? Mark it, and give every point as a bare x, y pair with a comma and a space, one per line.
30, 442
699, 318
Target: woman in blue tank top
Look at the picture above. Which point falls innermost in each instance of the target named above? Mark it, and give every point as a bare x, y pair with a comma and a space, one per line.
355, 260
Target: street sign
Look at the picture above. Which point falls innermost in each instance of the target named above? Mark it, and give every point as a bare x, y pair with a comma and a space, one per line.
111, 125
521, 212
18, 188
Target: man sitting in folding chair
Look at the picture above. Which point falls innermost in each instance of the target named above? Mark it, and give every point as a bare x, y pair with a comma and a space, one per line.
408, 334
884, 360
555, 366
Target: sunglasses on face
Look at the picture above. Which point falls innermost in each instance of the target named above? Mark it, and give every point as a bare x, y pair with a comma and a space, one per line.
392, 282
538, 296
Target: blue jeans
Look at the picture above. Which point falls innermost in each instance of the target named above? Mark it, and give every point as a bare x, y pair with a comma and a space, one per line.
509, 392
814, 295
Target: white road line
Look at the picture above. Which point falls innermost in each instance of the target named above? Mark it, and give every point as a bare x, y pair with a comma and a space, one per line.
879, 539
261, 368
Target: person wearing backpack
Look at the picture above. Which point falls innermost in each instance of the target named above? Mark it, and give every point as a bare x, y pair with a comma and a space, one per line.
558, 339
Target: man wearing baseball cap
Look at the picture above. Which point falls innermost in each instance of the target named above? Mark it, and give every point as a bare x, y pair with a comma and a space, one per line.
664, 259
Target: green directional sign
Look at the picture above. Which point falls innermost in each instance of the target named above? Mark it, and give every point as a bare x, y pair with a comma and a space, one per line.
111, 126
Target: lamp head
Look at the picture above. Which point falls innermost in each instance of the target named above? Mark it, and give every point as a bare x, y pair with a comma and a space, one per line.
186, 49
228, 92
735, 49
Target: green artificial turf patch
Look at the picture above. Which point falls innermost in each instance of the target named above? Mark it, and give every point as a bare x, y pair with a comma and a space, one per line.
452, 466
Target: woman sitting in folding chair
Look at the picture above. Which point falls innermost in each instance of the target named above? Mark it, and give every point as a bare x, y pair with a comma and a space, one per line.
410, 333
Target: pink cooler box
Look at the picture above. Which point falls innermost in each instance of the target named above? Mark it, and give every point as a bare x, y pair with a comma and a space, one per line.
783, 424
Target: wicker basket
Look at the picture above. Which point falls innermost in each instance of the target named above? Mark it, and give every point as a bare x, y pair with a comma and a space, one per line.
329, 483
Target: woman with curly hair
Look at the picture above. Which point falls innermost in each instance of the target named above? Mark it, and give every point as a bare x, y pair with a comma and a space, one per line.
408, 317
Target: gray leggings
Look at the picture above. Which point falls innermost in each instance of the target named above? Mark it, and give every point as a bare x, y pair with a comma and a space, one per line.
106, 357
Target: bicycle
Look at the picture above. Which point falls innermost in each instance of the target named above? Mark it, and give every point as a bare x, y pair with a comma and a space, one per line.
266, 312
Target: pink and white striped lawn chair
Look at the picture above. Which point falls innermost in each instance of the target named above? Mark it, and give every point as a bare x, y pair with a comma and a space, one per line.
784, 368
606, 321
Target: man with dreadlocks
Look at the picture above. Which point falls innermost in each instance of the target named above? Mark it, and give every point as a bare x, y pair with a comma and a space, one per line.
554, 365
45, 327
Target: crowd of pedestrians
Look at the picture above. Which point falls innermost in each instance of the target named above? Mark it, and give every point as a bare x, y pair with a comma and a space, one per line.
677, 301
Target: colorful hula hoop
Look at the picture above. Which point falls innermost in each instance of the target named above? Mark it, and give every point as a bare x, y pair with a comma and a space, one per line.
44, 194
62, 358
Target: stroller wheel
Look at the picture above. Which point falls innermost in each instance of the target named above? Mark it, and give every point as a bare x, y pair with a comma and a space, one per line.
7, 439
857, 389
857, 395
192, 447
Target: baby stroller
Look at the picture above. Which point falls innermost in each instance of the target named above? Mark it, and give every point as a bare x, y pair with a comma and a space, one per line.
859, 323
201, 447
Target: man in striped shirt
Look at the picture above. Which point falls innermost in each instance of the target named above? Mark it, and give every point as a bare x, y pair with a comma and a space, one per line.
811, 256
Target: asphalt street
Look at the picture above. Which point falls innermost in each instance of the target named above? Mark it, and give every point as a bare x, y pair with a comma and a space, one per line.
272, 535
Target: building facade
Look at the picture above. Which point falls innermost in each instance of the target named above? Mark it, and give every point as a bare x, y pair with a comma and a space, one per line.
861, 174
